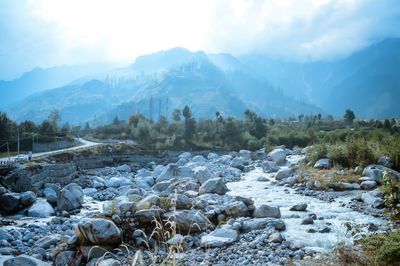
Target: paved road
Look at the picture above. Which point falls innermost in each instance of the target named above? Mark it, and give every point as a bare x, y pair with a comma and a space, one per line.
86, 144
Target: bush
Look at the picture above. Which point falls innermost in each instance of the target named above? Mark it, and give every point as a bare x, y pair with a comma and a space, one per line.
383, 248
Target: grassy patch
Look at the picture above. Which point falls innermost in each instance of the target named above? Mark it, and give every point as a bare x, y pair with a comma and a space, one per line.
383, 249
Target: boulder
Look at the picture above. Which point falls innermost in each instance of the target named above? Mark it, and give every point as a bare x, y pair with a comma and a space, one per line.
48, 241
2, 190
278, 156
258, 155
323, 164
108, 262
198, 159
121, 205
212, 156
264, 211
341, 186
124, 168
385, 161
181, 201
189, 221
148, 201
299, 207
181, 162
28, 198
307, 220
185, 155
262, 223
374, 172
215, 185
70, 198
99, 231
220, 237
202, 174
245, 154
89, 191
371, 200
269, 167
143, 172
275, 238
368, 185
67, 258
148, 215
169, 171
236, 209
283, 173
41, 208
238, 162
24, 260
10, 203
51, 196
118, 181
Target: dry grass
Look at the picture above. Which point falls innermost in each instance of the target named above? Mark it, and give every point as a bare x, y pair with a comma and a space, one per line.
326, 176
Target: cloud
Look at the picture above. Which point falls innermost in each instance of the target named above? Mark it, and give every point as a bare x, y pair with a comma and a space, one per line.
54, 32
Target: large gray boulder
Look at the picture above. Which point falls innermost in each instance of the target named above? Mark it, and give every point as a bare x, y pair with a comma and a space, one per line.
220, 237
169, 171
99, 231
368, 185
269, 167
70, 198
283, 173
147, 202
148, 215
323, 164
41, 208
189, 221
10, 203
180, 201
245, 154
371, 200
28, 198
278, 156
374, 172
385, 161
264, 211
202, 174
51, 196
299, 207
215, 185
262, 223
121, 205
236, 209
24, 260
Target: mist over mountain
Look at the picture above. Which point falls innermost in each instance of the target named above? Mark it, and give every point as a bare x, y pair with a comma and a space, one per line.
367, 82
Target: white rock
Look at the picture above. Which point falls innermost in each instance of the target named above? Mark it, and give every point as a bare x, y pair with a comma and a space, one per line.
202, 174
278, 156
283, 173
70, 198
215, 185
323, 164
124, 168
220, 237
264, 211
41, 208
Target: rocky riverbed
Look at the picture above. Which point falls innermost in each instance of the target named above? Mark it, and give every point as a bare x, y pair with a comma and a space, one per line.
210, 209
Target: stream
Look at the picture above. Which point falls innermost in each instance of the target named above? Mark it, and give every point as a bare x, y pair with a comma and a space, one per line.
333, 215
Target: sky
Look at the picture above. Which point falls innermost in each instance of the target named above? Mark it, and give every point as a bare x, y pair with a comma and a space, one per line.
45, 33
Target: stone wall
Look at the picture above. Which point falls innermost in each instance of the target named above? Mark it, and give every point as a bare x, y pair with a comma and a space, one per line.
51, 146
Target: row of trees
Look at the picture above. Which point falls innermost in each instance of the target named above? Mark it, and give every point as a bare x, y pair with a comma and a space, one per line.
252, 132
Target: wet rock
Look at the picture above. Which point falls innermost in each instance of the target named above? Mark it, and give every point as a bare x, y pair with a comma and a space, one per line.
385, 161
41, 208
307, 220
70, 198
67, 258
28, 198
51, 196
99, 231
283, 173
275, 238
236, 209
24, 260
264, 211
299, 207
278, 156
189, 221
148, 216
371, 200
215, 185
220, 237
324, 230
368, 185
10, 203
323, 164
124, 168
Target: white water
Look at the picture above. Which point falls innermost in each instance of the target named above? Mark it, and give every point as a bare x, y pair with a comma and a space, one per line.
333, 213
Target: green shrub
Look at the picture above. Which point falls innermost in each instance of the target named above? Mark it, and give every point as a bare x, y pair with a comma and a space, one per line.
383, 248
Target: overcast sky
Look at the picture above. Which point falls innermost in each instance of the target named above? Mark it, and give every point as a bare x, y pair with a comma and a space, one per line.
50, 32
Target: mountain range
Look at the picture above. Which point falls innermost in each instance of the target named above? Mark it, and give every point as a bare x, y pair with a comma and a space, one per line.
367, 82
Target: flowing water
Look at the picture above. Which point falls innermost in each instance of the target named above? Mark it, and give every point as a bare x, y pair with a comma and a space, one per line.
333, 214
